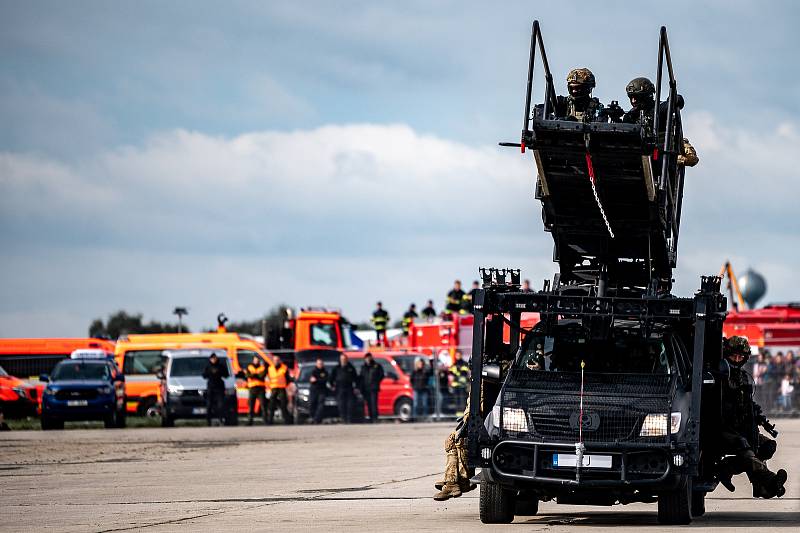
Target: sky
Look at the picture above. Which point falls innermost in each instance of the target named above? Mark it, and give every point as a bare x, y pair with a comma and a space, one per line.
228, 157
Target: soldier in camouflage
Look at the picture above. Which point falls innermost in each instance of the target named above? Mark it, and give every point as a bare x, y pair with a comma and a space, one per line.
579, 105
641, 93
746, 449
456, 472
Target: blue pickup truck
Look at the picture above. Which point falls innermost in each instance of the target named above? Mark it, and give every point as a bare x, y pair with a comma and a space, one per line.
87, 386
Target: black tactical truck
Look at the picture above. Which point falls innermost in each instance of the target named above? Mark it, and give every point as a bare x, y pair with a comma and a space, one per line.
613, 396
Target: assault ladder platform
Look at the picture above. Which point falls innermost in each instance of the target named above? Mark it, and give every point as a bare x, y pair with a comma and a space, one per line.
611, 193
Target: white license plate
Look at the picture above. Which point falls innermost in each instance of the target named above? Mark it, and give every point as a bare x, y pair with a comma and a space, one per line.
77, 403
198, 410
589, 461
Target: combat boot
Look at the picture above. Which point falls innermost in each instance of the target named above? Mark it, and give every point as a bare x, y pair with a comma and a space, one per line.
770, 485
440, 484
725, 473
450, 490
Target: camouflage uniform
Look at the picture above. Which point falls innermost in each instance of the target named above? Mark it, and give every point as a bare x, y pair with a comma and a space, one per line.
579, 106
641, 92
689, 156
456, 472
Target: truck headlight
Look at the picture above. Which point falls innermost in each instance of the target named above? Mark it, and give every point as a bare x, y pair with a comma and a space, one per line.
176, 391
655, 425
514, 419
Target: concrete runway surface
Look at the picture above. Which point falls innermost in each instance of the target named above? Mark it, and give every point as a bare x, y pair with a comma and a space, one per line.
302, 478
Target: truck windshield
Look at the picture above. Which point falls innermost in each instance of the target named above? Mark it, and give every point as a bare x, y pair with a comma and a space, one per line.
65, 371
188, 366
624, 354
143, 362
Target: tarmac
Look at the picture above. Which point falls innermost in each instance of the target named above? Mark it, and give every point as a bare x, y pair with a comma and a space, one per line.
301, 478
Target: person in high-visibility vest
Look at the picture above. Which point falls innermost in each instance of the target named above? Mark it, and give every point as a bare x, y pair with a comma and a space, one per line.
380, 321
279, 379
460, 383
468, 299
408, 318
256, 386
454, 298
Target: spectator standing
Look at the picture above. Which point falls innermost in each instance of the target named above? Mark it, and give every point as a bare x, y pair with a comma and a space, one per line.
215, 373
454, 299
319, 390
343, 380
279, 379
256, 388
380, 321
420, 379
408, 318
371, 376
460, 373
787, 391
429, 312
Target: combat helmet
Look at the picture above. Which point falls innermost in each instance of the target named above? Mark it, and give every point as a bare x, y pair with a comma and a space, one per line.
640, 91
734, 346
580, 82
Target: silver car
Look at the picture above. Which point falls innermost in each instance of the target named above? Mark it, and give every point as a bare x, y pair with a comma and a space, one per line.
184, 390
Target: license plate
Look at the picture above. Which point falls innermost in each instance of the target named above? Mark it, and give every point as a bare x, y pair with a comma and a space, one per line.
77, 403
198, 410
589, 461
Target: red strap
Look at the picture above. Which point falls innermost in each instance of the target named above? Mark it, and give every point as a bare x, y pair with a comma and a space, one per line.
589, 166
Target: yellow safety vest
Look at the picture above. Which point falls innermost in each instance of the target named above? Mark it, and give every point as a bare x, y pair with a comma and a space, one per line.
277, 377
256, 375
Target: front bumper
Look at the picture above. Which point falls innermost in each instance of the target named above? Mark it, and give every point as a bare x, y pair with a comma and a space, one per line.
196, 406
95, 408
634, 465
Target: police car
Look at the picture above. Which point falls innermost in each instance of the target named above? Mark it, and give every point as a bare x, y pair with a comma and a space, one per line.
87, 386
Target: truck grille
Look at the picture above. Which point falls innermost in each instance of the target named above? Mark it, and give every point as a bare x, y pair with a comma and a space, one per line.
614, 406
76, 394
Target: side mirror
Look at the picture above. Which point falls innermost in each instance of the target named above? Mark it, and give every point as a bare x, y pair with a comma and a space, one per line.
160, 375
491, 373
44, 378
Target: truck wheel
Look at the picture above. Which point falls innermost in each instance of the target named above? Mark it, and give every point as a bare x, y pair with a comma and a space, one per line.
167, 421
698, 503
496, 503
675, 507
403, 409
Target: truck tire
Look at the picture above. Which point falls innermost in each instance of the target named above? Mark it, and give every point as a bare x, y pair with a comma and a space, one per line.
404, 409
698, 503
496, 503
675, 507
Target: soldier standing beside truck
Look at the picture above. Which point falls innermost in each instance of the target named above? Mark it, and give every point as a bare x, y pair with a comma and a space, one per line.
215, 373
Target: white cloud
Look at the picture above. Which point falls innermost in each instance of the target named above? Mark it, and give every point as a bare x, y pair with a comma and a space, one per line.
337, 215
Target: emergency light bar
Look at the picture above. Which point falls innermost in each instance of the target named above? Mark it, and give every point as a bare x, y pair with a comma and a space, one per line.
84, 353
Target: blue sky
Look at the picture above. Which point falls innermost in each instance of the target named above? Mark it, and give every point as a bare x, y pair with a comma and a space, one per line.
231, 157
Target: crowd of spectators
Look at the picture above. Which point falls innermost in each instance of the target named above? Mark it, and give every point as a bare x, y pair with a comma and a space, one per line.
776, 379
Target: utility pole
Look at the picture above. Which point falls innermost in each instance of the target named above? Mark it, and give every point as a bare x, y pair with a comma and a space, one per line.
180, 311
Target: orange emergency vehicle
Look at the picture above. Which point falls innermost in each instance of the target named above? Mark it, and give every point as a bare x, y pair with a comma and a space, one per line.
140, 358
